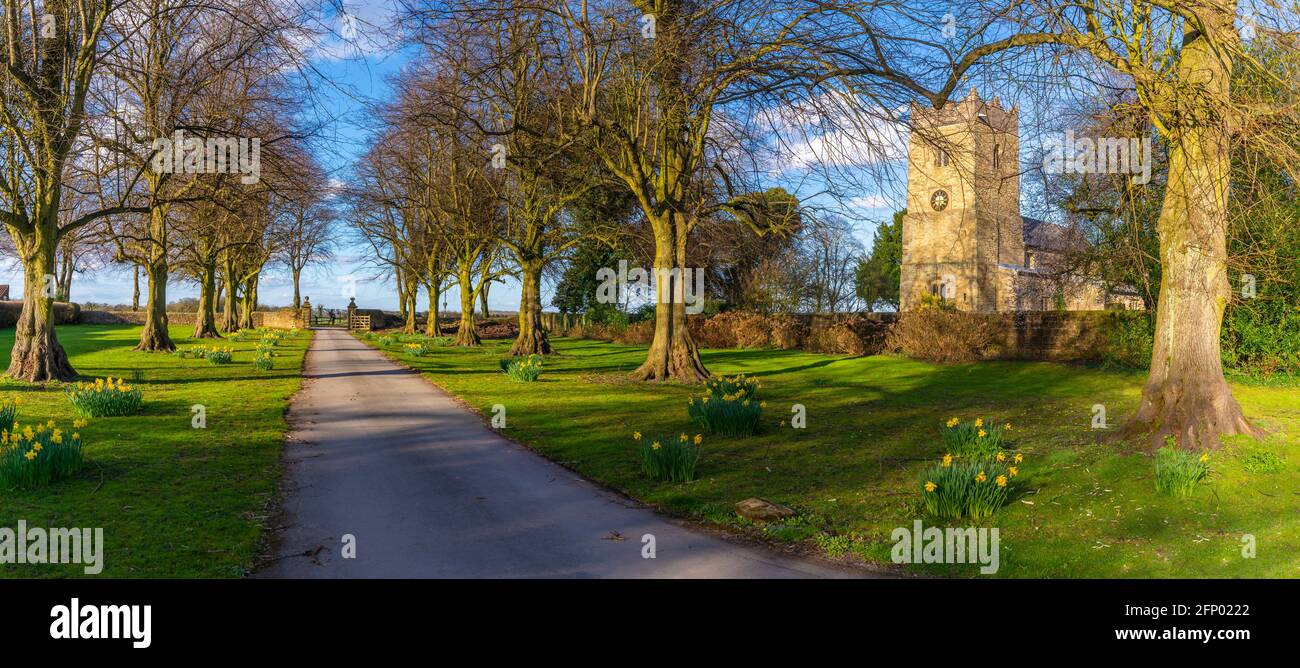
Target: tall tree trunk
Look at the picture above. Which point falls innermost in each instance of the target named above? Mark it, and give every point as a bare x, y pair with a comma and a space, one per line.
228, 322
297, 274
1185, 395
483, 298
466, 335
533, 338
412, 294
205, 324
249, 304
673, 353
154, 336
431, 326
37, 355
135, 290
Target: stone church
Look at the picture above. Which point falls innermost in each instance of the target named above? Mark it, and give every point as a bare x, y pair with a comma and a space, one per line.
963, 236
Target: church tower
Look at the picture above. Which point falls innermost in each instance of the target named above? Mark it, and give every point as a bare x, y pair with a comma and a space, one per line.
963, 236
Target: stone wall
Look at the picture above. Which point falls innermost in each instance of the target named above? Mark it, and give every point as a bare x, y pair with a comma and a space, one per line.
64, 313
284, 319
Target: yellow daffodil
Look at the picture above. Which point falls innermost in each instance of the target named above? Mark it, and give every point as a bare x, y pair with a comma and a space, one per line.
1007, 426
683, 438
31, 454
1018, 458
979, 422
1001, 481
947, 460
981, 477
983, 433
953, 423
698, 439
655, 445
1002, 457
929, 486
78, 424
636, 435
38, 447
76, 436
56, 437
1205, 458
1013, 471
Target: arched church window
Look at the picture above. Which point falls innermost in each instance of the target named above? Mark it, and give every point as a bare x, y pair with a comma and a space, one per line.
997, 157
941, 158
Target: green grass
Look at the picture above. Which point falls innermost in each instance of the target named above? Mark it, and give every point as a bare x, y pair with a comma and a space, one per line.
1085, 508
174, 501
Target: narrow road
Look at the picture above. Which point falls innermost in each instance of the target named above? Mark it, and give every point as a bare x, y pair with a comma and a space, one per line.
427, 490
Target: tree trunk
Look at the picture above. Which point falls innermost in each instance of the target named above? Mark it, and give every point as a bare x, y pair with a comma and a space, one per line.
431, 326
205, 324
412, 294
533, 338
228, 322
297, 275
249, 304
673, 353
483, 298
1185, 395
154, 337
135, 291
37, 355
466, 335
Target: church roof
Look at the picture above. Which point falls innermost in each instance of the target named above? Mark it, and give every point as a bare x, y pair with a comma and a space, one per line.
1042, 235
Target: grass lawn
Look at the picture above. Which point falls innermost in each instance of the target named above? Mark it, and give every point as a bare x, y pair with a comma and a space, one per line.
1086, 509
173, 500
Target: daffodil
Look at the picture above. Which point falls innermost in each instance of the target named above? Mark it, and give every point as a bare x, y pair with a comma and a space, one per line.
947, 460
1001, 481
1013, 471
78, 424
636, 435
983, 433
979, 422
953, 423
1018, 458
1001, 456
981, 477
655, 445
930, 486
1205, 458
698, 439
683, 438
31, 454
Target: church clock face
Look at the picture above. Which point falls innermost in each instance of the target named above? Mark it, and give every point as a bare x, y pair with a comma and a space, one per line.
939, 200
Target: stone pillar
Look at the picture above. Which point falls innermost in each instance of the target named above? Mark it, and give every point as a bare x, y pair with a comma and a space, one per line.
304, 313
352, 310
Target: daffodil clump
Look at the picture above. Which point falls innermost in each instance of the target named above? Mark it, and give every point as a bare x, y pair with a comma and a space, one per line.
735, 386
972, 439
242, 335
105, 398
1178, 472
271, 338
669, 458
387, 340
728, 414
417, 348
220, 355
36, 456
959, 487
263, 360
523, 369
